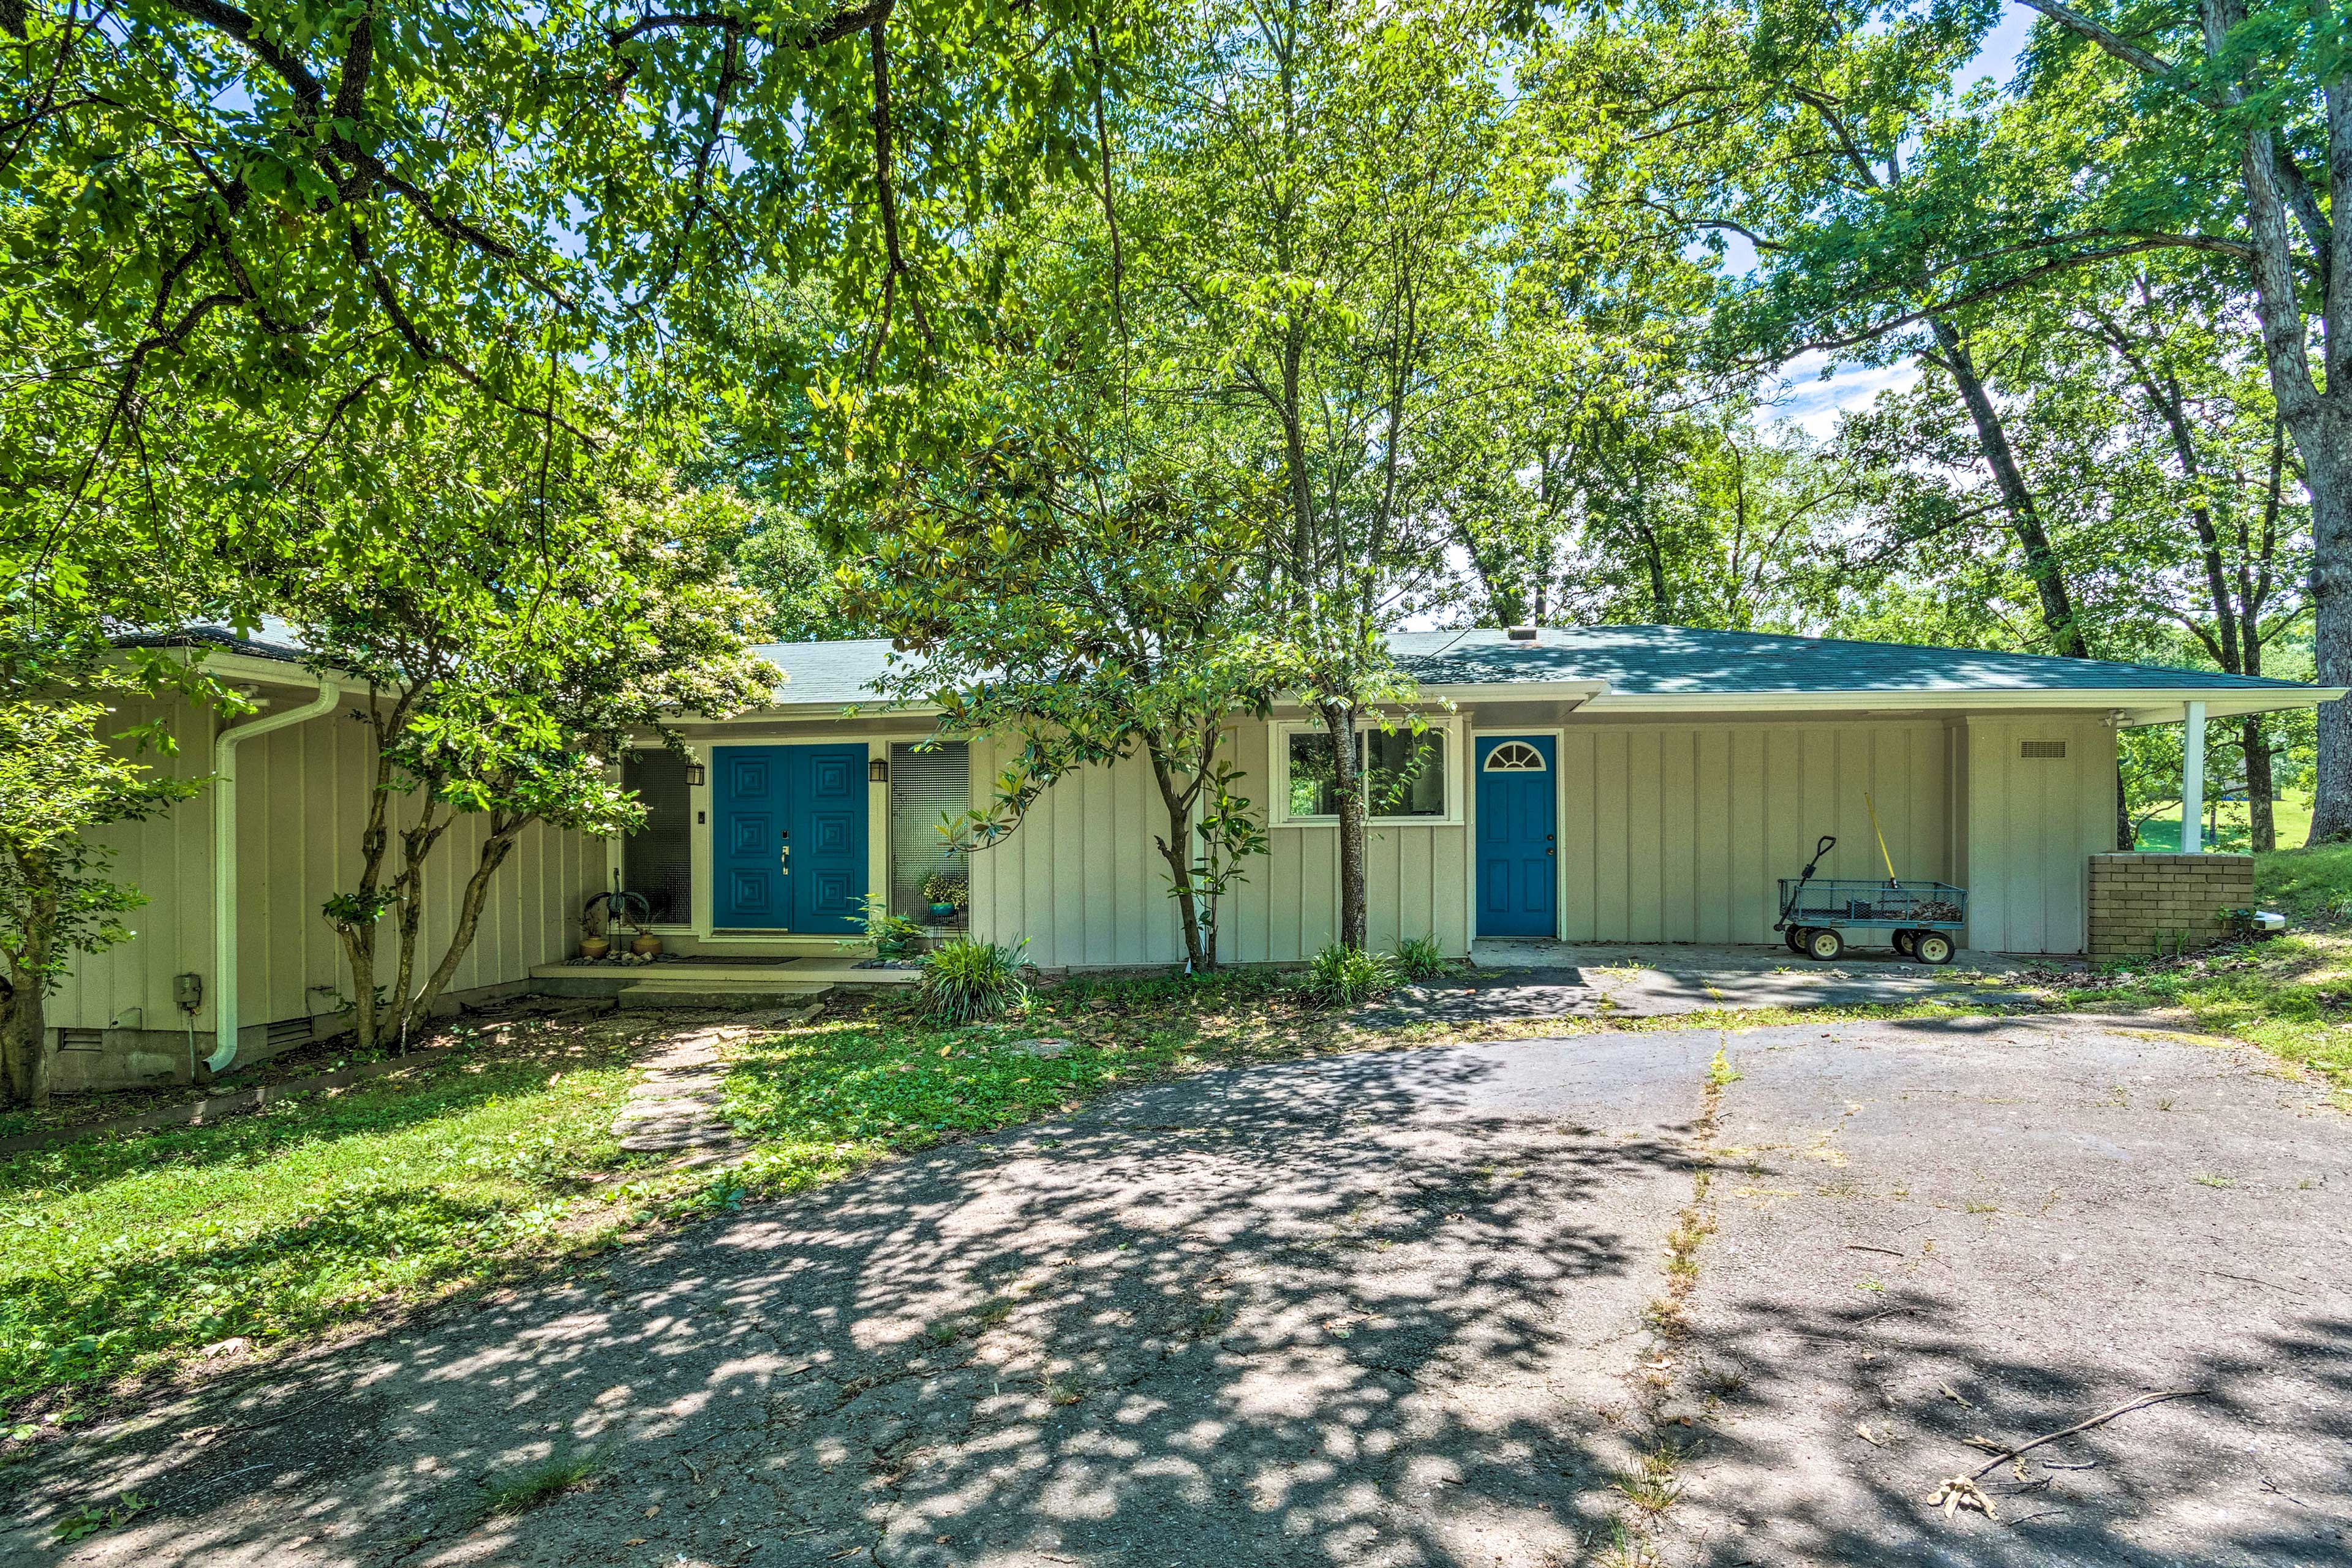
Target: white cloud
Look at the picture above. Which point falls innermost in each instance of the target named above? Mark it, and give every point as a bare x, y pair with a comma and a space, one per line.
1807, 400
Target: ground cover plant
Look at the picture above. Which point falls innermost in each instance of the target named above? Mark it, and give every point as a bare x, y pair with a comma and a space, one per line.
121, 1254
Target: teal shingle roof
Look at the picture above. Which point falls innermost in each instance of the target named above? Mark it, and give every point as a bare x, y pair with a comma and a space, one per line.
1661, 662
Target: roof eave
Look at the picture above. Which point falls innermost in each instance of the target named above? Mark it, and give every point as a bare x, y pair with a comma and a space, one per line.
2134, 705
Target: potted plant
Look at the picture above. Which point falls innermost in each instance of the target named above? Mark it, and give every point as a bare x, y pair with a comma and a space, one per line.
646, 944
947, 892
605, 914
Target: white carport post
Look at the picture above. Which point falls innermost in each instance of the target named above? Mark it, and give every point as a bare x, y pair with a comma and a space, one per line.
2192, 779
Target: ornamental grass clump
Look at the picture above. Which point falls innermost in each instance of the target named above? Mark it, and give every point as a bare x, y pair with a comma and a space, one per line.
1420, 958
965, 979
1343, 977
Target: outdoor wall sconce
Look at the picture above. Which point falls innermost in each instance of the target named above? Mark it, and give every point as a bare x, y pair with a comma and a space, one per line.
877, 769
697, 775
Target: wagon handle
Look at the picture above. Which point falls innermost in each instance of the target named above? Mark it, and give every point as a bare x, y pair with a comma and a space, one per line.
1827, 844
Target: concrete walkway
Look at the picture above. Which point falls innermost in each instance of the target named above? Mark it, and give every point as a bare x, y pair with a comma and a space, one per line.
1523, 979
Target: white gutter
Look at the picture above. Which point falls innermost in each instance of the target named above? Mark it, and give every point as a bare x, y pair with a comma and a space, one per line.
224, 868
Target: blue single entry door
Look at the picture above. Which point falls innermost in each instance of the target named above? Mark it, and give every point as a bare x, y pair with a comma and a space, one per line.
1519, 819
788, 839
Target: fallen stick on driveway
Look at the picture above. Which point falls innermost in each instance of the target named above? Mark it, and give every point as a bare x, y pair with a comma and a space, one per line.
1956, 1490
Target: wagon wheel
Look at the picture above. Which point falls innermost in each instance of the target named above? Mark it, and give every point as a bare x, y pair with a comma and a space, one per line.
1934, 947
1906, 942
1795, 937
1823, 945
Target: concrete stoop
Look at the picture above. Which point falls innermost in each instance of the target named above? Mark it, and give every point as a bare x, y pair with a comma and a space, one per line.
700, 991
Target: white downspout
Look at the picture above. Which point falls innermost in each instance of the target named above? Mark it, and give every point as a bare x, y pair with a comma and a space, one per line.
2192, 779
224, 868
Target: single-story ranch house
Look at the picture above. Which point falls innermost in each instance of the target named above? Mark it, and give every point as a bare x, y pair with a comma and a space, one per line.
1635, 783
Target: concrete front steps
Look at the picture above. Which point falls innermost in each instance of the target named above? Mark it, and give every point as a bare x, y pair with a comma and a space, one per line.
661, 991
689, 983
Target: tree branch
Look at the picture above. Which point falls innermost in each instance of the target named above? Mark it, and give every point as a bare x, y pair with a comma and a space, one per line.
2115, 43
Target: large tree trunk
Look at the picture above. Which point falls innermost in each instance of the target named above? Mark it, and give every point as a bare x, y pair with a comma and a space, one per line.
2042, 563
2328, 463
24, 1039
1340, 723
2058, 619
2260, 818
25, 1028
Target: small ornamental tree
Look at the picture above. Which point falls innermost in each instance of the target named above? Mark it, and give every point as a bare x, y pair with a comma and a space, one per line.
507, 630
1093, 611
62, 776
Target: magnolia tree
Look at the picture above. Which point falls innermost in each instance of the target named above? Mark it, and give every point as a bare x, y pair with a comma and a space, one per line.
506, 631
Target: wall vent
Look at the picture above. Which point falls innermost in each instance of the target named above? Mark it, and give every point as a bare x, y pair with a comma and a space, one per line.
2042, 750
287, 1032
81, 1040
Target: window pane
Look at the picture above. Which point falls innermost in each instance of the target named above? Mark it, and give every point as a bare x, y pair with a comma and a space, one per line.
1407, 776
657, 860
1314, 778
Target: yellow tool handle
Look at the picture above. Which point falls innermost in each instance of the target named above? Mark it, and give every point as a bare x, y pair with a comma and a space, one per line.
1883, 855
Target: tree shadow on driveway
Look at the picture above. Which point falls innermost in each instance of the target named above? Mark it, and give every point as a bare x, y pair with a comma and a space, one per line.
1945, 1230
1373, 1309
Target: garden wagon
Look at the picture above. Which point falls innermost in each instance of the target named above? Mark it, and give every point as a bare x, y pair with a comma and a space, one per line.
1920, 916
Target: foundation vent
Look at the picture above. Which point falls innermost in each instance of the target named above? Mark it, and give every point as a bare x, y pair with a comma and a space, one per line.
2042, 750
81, 1040
288, 1032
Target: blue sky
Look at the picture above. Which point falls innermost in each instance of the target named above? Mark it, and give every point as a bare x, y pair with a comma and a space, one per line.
1815, 403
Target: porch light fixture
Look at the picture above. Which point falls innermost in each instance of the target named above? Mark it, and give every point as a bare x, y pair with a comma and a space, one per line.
877, 769
697, 775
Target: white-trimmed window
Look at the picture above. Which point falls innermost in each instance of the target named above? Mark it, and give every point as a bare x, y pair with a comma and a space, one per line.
1411, 777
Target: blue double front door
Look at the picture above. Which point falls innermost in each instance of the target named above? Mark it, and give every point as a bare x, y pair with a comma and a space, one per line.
788, 839
1518, 813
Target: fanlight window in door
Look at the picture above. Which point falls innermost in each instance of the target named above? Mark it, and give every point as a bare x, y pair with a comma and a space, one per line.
1515, 757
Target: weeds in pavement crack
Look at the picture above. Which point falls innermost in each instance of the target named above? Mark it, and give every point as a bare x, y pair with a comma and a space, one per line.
1651, 1487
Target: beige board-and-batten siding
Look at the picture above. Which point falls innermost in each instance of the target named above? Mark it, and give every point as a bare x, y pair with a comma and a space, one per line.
1681, 832
1082, 879
302, 798
2026, 827
1670, 832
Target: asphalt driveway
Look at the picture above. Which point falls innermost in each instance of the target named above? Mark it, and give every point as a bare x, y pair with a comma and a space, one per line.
1384, 1309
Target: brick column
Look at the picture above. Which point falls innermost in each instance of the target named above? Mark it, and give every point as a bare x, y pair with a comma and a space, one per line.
2141, 904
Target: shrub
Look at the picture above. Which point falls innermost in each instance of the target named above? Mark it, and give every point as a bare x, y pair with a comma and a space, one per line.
1420, 958
964, 980
1343, 977
893, 936
950, 888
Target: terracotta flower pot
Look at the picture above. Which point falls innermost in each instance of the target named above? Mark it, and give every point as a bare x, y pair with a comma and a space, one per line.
594, 947
646, 945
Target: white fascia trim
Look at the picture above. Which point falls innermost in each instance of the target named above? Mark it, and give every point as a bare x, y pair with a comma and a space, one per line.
1574, 692
813, 713
2140, 704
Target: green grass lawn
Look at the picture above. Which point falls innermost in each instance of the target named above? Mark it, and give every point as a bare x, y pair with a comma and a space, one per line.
119, 1254
2290, 820
2290, 995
